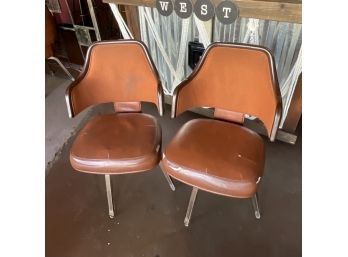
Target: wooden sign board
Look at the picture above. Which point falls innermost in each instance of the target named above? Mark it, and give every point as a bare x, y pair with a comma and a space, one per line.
278, 10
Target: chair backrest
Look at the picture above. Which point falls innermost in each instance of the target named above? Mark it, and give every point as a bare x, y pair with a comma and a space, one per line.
121, 72
235, 78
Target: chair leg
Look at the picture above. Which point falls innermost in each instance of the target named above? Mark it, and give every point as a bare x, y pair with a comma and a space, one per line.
255, 203
190, 206
109, 196
169, 180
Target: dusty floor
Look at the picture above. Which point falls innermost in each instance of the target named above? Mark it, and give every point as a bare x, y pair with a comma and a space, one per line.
149, 216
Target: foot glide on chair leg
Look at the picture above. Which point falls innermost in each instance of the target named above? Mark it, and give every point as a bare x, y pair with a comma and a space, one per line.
255, 203
190, 206
109, 196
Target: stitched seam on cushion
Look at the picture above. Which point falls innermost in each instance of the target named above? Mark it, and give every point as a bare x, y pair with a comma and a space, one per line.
135, 158
101, 172
232, 180
205, 189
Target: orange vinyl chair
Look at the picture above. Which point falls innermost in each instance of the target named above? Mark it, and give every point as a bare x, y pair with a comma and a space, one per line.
220, 155
127, 141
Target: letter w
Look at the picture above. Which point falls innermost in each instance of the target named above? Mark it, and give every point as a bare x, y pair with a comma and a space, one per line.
164, 5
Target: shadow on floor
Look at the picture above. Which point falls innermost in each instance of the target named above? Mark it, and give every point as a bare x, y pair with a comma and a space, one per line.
150, 217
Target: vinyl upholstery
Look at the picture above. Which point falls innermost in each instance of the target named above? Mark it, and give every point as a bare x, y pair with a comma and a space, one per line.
116, 71
127, 107
220, 155
127, 141
234, 78
117, 143
216, 156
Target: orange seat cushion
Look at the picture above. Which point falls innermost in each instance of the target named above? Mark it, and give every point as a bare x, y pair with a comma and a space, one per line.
117, 143
216, 156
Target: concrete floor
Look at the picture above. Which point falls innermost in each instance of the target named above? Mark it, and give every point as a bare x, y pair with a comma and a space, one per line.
58, 127
149, 216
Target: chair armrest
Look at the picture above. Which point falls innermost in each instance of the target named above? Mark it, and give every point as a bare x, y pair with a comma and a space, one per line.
68, 101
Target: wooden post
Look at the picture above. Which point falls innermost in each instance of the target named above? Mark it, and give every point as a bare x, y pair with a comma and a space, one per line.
132, 18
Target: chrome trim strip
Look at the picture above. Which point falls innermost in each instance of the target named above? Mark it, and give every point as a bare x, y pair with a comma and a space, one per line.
60, 64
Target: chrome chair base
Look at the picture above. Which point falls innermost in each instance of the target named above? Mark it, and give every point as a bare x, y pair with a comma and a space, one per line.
169, 180
109, 192
254, 201
193, 196
190, 206
109, 196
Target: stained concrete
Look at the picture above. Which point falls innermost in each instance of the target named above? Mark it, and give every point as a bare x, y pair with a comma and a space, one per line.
150, 217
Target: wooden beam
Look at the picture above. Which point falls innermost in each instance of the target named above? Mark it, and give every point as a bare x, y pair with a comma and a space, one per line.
278, 10
133, 21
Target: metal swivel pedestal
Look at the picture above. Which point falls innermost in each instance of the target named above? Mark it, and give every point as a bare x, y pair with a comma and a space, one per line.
109, 196
169, 180
254, 201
